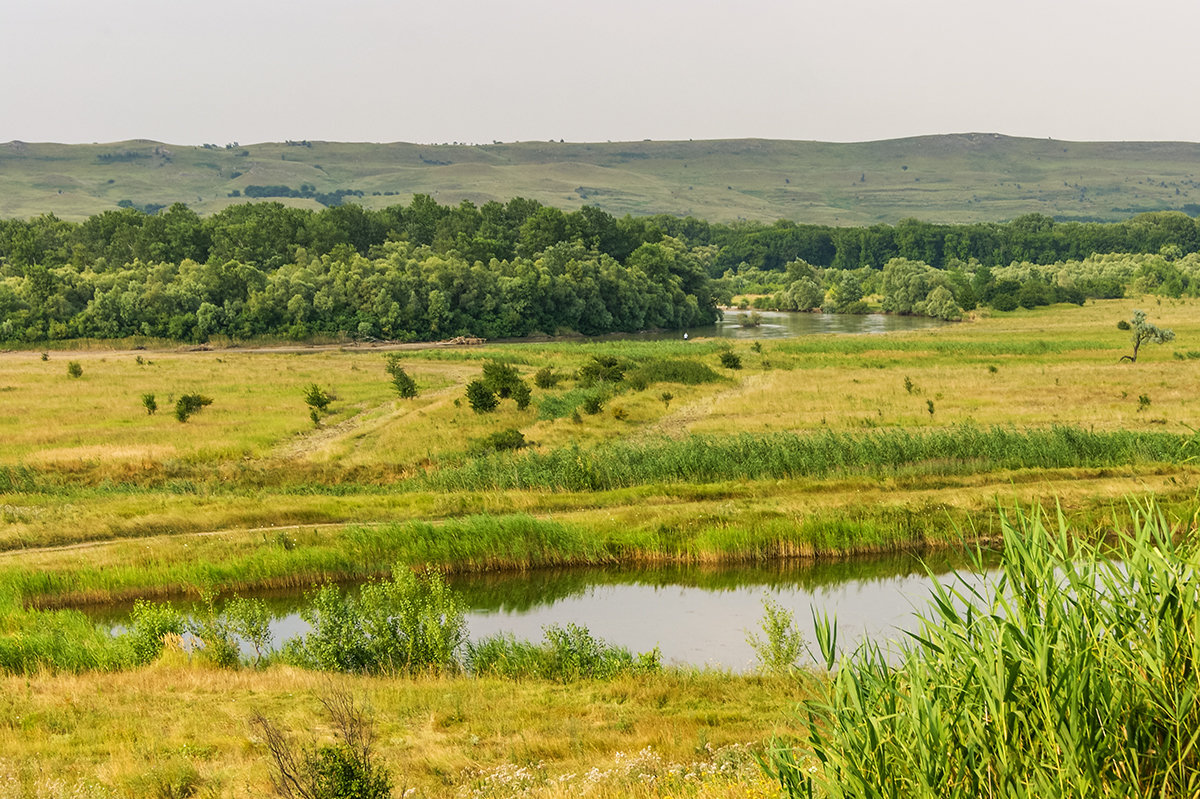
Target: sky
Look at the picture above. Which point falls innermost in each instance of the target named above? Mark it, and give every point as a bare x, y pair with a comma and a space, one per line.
518, 70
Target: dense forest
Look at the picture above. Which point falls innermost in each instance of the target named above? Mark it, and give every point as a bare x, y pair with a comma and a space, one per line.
428, 271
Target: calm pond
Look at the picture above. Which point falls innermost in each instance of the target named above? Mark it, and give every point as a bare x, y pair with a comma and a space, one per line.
778, 324
697, 616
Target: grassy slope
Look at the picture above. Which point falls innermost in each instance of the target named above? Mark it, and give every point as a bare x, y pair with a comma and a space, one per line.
955, 178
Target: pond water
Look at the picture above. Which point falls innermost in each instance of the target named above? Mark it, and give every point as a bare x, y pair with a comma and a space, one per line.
778, 324
697, 616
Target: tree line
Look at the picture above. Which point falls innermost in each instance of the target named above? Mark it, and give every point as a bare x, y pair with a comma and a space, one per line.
426, 271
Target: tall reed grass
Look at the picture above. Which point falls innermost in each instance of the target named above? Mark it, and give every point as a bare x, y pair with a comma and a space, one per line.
964, 449
1073, 674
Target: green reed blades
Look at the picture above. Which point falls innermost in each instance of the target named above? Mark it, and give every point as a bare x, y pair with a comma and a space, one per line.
1072, 674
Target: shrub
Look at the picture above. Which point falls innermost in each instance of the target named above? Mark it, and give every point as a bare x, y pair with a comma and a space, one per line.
1004, 302
405, 386
499, 381
567, 654
214, 632
781, 643
676, 370
345, 769
521, 394
74, 369
190, 404
546, 377
481, 398
501, 378
602, 369
150, 404
499, 442
411, 623
731, 360
150, 623
593, 403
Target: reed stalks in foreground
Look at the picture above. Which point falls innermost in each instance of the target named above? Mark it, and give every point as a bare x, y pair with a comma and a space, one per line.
1073, 674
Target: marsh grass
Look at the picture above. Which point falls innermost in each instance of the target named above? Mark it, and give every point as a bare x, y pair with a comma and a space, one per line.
1072, 674
964, 449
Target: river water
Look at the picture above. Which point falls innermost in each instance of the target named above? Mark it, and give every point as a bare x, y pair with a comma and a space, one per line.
778, 324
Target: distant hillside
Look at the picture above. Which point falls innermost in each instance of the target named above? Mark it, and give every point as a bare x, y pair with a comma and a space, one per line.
954, 178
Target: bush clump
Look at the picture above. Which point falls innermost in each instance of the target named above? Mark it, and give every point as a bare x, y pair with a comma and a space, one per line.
190, 404
546, 377
411, 623
602, 369
500, 441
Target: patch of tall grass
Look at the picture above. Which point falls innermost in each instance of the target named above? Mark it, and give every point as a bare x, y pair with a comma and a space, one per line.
1072, 674
673, 370
964, 449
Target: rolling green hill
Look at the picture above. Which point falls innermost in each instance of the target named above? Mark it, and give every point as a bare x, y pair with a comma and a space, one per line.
953, 178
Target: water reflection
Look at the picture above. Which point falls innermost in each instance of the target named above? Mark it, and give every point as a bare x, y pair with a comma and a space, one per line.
696, 615
777, 324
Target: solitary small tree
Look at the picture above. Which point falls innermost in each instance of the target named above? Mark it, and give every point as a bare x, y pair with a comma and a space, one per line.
1144, 332
405, 386
74, 369
317, 398
150, 404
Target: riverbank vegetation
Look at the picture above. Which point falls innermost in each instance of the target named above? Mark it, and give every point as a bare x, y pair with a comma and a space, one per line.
426, 271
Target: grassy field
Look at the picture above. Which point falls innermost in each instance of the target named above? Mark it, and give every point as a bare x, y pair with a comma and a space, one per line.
81, 460
953, 178
183, 727
919, 440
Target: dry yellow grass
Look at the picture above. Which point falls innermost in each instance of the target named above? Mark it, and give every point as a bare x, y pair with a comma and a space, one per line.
437, 736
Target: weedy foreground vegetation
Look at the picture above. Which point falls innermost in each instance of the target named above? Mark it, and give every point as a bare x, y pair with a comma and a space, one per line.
817, 447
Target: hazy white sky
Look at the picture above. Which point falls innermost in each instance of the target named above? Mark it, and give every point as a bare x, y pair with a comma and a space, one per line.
483, 70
